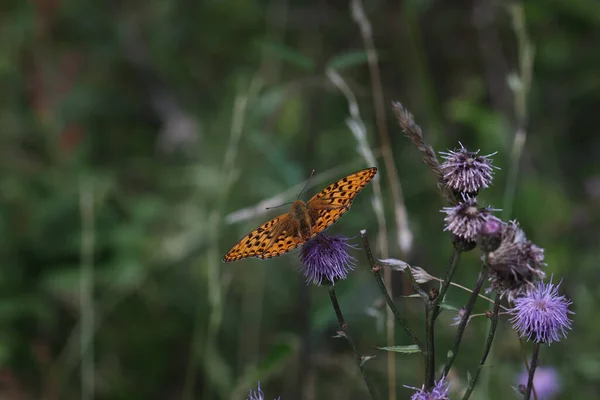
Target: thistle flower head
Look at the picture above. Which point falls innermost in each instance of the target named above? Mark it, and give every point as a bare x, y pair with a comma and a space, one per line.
515, 263
466, 171
545, 381
326, 259
542, 314
466, 219
438, 392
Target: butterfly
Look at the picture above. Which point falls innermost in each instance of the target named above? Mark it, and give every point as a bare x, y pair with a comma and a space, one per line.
303, 222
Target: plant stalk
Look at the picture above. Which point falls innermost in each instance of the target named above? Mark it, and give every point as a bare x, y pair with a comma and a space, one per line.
488, 346
344, 333
532, 368
463, 322
381, 285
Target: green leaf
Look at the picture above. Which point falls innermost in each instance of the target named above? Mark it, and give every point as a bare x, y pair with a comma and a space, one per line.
409, 349
347, 60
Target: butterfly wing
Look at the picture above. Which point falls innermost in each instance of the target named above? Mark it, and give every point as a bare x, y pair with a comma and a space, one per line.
327, 206
271, 239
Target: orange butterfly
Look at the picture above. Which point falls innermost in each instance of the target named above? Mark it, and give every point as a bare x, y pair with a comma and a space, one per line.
303, 222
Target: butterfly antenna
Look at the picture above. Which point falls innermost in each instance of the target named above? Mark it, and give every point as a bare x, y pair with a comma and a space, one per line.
307, 182
281, 205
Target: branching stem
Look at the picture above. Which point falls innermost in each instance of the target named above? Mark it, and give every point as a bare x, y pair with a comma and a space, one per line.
381, 285
465, 318
488, 346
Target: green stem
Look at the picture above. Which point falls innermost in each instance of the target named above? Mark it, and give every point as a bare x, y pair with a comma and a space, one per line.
454, 260
430, 338
463, 322
375, 269
488, 346
532, 367
344, 333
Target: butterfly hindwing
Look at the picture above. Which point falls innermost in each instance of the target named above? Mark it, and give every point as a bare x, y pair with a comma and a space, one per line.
255, 242
271, 239
288, 238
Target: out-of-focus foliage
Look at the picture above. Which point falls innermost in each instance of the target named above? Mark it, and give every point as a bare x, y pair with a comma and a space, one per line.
170, 115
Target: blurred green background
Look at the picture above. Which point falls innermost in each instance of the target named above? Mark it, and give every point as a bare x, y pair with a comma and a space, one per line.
132, 134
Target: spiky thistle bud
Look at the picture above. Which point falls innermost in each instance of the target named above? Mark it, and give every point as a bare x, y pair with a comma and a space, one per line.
466, 219
466, 171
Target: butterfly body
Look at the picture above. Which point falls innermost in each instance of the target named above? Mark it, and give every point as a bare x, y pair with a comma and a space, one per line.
304, 221
301, 219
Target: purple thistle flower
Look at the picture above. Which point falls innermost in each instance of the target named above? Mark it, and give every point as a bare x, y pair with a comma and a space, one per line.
326, 259
515, 263
545, 381
542, 314
466, 219
439, 392
466, 171
258, 394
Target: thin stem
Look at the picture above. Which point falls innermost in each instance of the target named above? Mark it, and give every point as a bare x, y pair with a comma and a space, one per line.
433, 311
375, 269
525, 360
430, 338
344, 333
488, 346
534, 364
454, 260
463, 322
466, 289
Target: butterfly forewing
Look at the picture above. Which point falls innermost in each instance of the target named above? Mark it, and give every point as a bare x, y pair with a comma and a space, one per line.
331, 203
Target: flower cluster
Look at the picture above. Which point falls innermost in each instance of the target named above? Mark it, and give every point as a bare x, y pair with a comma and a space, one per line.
465, 173
515, 264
